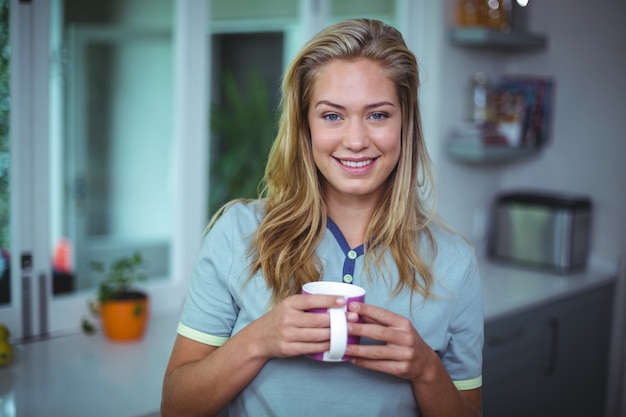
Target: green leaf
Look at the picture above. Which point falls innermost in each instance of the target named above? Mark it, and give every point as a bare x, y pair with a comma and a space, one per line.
119, 276
88, 327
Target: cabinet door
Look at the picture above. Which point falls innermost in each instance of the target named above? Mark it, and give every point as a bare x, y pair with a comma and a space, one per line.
511, 372
510, 385
576, 355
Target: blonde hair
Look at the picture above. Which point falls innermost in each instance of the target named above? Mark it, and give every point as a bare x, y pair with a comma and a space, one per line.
284, 245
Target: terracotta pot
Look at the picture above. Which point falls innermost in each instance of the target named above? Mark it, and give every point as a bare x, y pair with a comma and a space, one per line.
125, 319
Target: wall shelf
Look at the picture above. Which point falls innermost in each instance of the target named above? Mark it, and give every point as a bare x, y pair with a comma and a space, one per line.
487, 38
478, 154
468, 147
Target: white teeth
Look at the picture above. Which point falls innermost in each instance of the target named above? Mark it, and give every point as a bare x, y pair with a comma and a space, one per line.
356, 164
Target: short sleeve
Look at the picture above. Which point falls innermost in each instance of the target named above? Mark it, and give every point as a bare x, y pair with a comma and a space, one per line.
210, 310
463, 356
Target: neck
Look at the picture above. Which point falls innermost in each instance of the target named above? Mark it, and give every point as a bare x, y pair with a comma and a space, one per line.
352, 220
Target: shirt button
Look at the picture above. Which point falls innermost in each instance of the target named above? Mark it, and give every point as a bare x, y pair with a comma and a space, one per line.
347, 278
352, 254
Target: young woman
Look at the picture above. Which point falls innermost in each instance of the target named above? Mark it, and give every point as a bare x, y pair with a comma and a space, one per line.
344, 200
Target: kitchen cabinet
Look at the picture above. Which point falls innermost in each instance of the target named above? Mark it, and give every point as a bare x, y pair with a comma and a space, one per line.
550, 360
511, 356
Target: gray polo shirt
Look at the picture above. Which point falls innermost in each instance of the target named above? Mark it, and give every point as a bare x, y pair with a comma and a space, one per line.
219, 305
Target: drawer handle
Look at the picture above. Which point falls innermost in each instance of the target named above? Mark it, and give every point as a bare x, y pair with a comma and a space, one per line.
554, 326
508, 338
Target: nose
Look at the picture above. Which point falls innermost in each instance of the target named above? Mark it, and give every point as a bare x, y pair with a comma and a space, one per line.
356, 136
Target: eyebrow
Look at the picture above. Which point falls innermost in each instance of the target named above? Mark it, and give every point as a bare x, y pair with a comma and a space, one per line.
367, 107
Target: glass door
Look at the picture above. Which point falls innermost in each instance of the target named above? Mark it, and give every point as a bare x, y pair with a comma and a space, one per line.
125, 168
113, 193
102, 162
20, 207
8, 290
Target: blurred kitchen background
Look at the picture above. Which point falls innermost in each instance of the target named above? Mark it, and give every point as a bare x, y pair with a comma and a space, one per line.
125, 123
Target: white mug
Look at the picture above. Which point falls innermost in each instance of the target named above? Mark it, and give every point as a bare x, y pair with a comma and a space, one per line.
339, 338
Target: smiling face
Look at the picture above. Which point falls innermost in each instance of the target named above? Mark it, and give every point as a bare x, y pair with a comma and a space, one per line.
355, 122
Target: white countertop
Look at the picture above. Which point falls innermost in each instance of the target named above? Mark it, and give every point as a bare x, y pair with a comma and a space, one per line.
508, 290
88, 376
79, 375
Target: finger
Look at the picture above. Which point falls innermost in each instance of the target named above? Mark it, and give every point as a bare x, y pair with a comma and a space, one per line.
316, 301
303, 348
375, 331
307, 320
393, 360
375, 314
369, 352
392, 367
311, 348
379, 352
310, 335
391, 336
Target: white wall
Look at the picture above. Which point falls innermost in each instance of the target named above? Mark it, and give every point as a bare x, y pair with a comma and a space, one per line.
586, 55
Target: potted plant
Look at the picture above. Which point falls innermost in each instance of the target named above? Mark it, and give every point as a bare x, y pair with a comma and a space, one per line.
123, 309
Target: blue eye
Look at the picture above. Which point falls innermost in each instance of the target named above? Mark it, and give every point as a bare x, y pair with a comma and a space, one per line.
378, 116
331, 116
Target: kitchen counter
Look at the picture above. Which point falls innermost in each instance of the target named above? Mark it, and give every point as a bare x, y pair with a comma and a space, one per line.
508, 290
79, 375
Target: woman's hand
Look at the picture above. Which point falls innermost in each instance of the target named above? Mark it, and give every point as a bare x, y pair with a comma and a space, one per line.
196, 368
403, 352
289, 329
